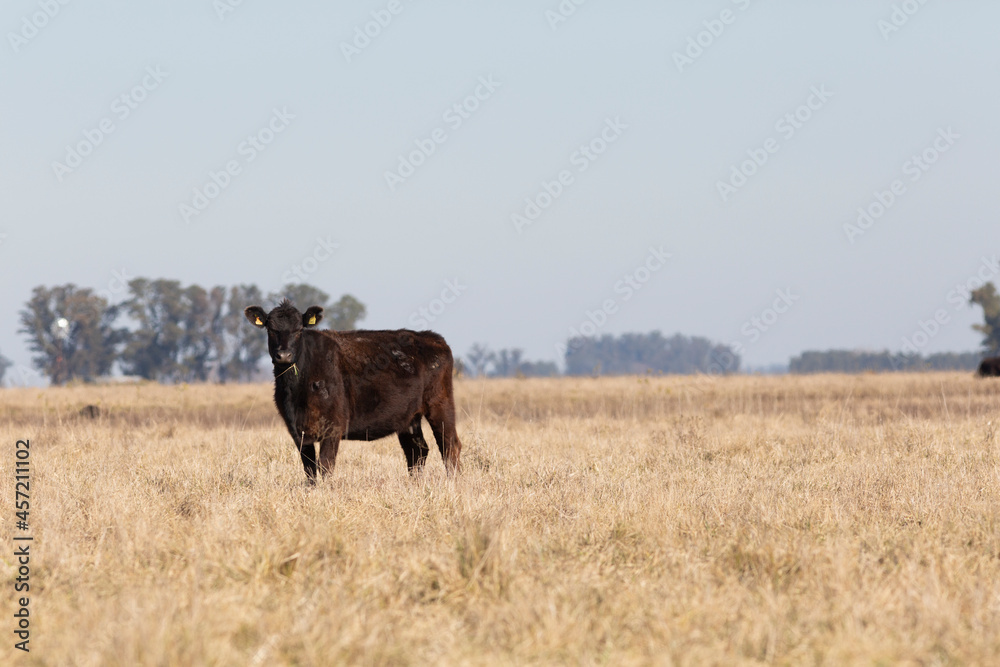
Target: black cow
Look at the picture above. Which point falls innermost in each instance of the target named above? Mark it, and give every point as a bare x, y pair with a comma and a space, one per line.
989, 367
358, 385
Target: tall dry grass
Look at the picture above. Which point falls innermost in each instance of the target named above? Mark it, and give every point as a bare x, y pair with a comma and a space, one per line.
790, 520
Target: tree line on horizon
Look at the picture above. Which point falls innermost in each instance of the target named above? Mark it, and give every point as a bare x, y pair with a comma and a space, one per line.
162, 331
860, 361
627, 354
855, 361
166, 332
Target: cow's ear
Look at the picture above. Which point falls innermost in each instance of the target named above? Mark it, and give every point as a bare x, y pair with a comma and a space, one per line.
256, 315
312, 316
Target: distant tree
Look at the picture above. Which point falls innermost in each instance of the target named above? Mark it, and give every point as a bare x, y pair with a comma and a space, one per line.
543, 369
852, 361
216, 332
240, 347
952, 361
631, 354
153, 347
345, 314
478, 358
199, 343
857, 361
71, 331
176, 334
5, 363
987, 297
510, 363
506, 363
301, 295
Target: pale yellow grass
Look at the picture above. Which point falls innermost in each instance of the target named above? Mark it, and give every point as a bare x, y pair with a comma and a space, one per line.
790, 520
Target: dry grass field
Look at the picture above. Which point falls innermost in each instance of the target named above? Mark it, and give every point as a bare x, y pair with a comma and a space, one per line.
787, 520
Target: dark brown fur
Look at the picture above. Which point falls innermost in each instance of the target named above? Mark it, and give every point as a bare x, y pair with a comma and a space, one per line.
359, 385
989, 367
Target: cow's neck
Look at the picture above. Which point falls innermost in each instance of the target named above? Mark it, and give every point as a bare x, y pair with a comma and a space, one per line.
288, 383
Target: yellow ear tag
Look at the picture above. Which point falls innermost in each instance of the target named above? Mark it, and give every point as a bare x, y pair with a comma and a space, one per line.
259, 322
312, 320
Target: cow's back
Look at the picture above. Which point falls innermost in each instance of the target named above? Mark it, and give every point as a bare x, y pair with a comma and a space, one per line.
403, 353
388, 376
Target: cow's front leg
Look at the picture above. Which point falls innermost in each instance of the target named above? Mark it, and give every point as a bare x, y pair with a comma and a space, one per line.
308, 454
327, 454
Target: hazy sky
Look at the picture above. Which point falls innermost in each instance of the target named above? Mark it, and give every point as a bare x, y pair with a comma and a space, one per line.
830, 103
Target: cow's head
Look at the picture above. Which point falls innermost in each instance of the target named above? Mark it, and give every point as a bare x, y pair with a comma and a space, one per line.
284, 327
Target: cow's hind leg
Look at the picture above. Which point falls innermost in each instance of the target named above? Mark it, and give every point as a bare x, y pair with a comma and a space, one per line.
442, 419
414, 446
